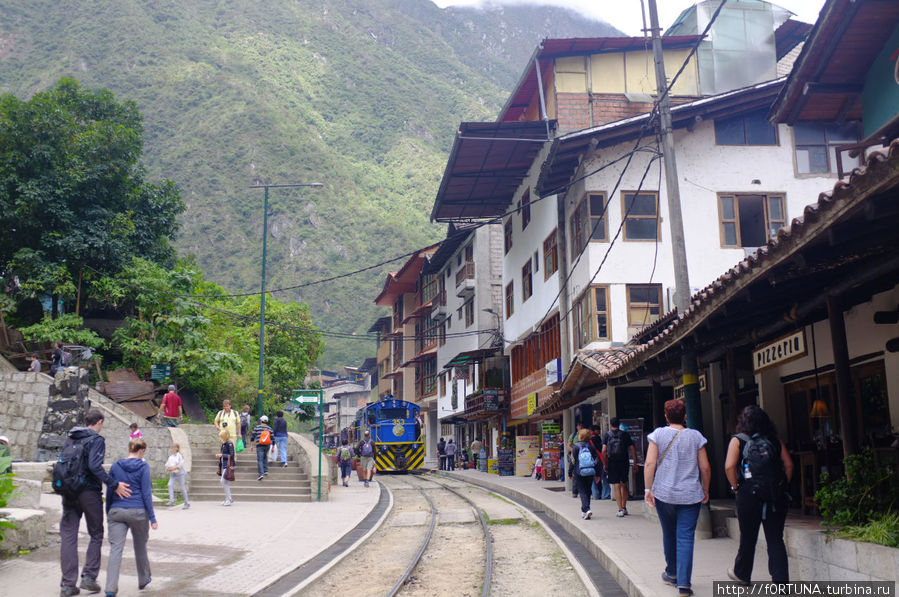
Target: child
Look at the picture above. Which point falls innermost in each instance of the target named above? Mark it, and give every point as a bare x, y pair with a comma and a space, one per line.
538, 468
226, 457
175, 466
135, 432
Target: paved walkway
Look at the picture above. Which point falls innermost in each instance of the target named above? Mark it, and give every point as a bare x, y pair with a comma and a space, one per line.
208, 549
630, 548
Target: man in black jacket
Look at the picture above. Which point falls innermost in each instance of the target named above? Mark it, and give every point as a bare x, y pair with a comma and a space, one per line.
90, 504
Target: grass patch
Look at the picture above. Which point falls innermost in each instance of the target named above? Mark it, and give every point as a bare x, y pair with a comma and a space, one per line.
500, 521
883, 529
501, 498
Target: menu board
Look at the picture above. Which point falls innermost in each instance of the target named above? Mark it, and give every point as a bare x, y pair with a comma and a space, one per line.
482, 460
491, 400
505, 462
527, 448
551, 470
634, 428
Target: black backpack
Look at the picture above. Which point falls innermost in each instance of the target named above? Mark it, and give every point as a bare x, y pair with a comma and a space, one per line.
615, 445
70, 469
762, 468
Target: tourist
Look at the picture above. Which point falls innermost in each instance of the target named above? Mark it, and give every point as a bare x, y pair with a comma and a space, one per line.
345, 461
35, 366
615, 447
228, 420
135, 432
262, 438
226, 459
441, 453
134, 513
170, 411
365, 449
759, 469
450, 451
585, 459
677, 475
476, 446
175, 467
280, 431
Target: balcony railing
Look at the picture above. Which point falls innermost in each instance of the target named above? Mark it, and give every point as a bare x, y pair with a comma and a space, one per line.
466, 272
439, 299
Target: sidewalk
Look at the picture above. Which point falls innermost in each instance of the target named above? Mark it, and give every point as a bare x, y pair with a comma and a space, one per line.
630, 548
208, 549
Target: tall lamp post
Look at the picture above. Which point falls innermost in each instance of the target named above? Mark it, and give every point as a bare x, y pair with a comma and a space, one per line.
262, 292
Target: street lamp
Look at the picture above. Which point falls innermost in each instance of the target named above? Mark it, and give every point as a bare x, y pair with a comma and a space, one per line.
262, 292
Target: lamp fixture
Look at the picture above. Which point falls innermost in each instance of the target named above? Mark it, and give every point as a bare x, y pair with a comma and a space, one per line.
819, 409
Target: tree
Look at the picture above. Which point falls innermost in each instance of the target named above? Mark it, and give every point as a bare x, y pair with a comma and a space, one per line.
73, 199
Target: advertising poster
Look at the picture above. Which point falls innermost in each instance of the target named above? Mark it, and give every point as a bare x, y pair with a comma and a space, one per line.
527, 448
492, 466
552, 451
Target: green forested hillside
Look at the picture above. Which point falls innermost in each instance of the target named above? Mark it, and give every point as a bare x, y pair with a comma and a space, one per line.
361, 95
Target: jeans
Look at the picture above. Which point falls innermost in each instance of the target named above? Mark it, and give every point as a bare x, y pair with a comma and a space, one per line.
345, 469
178, 478
606, 489
678, 529
749, 515
451, 463
169, 422
262, 459
120, 521
595, 489
583, 490
90, 504
281, 441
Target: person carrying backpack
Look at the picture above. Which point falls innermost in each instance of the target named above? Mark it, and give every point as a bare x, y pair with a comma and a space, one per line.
365, 449
78, 476
615, 447
262, 437
759, 469
585, 458
345, 461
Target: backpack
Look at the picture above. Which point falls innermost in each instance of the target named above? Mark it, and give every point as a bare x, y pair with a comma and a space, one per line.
586, 467
65, 359
244, 420
265, 437
615, 444
70, 469
366, 449
762, 468
344, 455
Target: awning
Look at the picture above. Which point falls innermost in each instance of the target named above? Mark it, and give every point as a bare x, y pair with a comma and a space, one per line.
558, 402
471, 356
421, 357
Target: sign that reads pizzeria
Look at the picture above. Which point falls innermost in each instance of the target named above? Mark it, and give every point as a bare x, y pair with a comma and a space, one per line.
782, 350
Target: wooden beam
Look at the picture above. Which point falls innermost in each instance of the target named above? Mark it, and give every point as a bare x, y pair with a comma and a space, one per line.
814, 88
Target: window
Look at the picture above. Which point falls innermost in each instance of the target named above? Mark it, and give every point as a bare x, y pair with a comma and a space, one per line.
428, 288
398, 313
642, 215
510, 299
441, 334
442, 384
507, 236
644, 304
538, 349
816, 146
527, 283
748, 129
526, 209
469, 253
591, 316
536, 262
588, 222
550, 257
426, 377
469, 312
750, 220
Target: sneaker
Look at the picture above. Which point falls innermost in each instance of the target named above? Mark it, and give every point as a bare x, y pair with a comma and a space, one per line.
345, 484
366, 483
110, 594
68, 591
260, 477
90, 584
144, 586
583, 515
185, 507
621, 514
684, 591
733, 576
283, 465
588, 515
170, 504
669, 580
626, 513
228, 502
265, 474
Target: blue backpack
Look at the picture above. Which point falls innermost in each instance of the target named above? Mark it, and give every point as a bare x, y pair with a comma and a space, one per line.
585, 465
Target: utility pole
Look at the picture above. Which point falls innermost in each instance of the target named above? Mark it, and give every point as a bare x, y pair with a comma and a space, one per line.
262, 292
682, 292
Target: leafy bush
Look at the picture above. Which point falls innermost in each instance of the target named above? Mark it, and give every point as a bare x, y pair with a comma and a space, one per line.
6, 490
866, 491
883, 529
68, 328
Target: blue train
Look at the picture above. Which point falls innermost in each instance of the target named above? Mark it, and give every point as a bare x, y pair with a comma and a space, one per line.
394, 428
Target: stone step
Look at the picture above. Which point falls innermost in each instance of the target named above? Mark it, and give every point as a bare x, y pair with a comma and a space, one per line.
257, 487
247, 470
239, 496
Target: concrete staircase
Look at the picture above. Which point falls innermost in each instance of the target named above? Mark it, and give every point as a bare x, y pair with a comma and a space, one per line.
290, 484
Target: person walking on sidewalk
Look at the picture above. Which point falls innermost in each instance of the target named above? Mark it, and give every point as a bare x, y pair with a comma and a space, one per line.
280, 431
245, 418
476, 446
134, 513
585, 459
88, 503
615, 447
345, 461
759, 469
677, 476
262, 438
572, 459
170, 411
365, 449
226, 459
175, 466
229, 420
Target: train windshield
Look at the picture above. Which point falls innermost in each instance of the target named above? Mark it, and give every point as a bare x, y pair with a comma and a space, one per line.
394, 413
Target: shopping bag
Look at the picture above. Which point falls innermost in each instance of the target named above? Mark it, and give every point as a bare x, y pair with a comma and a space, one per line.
240, 446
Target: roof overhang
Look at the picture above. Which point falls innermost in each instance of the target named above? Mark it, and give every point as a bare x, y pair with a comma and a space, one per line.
456, 235
468, 357
550, 49
403, 281
487, 164
567, 151
835, 60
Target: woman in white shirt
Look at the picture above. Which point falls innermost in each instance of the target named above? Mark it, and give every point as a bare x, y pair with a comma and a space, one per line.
175, 466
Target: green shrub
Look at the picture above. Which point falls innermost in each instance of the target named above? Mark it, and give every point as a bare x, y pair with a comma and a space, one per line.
883, 529
865, 492
7, 487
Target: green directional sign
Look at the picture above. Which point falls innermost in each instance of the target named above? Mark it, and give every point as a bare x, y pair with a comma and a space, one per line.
306, 396
163, 371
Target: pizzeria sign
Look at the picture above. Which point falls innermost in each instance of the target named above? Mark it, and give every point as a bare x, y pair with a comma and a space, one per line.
782, 350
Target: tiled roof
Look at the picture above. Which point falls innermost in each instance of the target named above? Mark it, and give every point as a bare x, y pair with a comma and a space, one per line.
881, 171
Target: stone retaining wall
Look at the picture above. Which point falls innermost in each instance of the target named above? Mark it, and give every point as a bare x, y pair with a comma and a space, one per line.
23, 402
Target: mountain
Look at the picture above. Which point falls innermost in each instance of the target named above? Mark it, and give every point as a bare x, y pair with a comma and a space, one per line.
362, 95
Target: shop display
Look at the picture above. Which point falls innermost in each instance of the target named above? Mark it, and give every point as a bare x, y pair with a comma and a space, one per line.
527, 448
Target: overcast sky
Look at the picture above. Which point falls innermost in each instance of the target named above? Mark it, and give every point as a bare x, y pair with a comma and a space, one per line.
626, 15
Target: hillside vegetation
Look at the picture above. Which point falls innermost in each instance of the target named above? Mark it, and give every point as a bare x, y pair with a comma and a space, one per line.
361, 95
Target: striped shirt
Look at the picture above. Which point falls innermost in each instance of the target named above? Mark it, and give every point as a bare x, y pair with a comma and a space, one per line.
677, 479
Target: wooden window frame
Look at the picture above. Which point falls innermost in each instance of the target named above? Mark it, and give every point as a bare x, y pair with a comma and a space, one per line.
657, 217
509, 299
745, 143
630, 303
527, 281
525, 208
736, 220
468, 307
550, 255
583, 221
507, 236
586, 327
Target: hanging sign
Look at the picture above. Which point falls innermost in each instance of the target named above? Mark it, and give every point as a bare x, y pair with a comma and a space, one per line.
783, 350
532, 403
